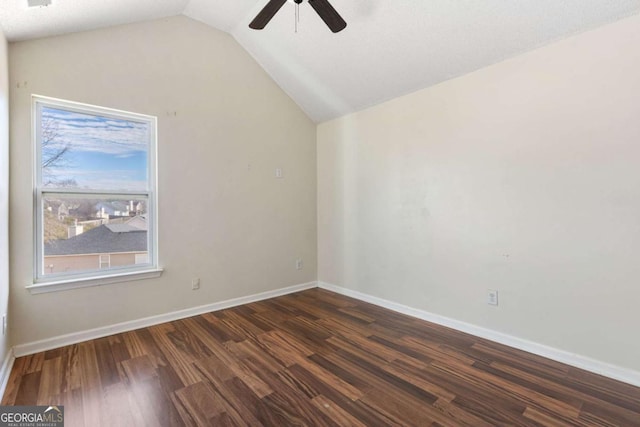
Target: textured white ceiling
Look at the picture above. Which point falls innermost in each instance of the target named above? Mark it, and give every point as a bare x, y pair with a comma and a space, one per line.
20, 22
221, 14
391, 48
388, 48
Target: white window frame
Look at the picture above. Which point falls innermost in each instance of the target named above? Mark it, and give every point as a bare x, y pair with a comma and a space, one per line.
63, 281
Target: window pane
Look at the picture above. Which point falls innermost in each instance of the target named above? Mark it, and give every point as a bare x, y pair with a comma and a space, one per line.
105, 261
82, 234
83, 150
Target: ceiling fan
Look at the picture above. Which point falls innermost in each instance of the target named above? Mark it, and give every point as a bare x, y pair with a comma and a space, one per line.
322, 7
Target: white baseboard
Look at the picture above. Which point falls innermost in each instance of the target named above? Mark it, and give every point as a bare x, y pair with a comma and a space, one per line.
76, 337
5, 371
605, 369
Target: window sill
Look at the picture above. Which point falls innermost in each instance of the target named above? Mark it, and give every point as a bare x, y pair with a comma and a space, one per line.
64, 285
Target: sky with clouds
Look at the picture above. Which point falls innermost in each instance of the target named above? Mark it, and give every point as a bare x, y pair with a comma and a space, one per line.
103, 152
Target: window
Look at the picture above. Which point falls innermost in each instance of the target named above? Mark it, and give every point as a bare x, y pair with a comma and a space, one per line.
105, 261
142, 258
95, 194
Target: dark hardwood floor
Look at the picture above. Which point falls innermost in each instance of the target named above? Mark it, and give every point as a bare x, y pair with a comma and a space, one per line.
313, 358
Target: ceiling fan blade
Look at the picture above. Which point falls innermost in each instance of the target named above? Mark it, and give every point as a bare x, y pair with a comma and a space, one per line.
329, 15
265, 15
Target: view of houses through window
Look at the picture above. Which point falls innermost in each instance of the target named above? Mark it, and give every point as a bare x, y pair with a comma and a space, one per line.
89, 234
95, 189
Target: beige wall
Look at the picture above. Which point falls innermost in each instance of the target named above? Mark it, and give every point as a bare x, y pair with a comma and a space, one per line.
4, 191
522, 177
224, 126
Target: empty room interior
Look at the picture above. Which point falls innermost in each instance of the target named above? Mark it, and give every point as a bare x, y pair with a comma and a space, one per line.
321, 213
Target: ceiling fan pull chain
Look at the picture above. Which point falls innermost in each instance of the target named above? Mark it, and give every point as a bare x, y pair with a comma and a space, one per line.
297, 12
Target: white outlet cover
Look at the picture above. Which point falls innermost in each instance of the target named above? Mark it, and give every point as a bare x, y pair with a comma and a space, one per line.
492, 297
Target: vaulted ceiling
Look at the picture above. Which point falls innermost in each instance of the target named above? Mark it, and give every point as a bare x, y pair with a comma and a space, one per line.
388, 48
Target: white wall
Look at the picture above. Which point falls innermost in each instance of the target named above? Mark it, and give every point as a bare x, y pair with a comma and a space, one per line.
4, 190
223, 215
522, 177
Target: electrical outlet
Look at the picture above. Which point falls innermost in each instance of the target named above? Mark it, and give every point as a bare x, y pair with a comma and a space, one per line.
4, 324
299, 264
279, 173
492, 297
195, 283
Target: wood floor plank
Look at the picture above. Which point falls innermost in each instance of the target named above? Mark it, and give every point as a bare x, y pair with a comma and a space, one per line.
215, 367
561, 390
397, 408
249, 349
71, 368
335, 412
190, 346
435, 351
272, 317
150, 348
13, 383
134, 344
223, 363
313, 358
376, 375
340, 343
106, 364
330, 379
240, 400
283, 348
202, 402
51, 379
237, 322
356, 408
235, 365
545, 419
28, 390
619, 416
118, 408
520, 392
139, 369
492, 402
175, 356
360, 382
33, 363
338, 301
522, 359
185, 417
73, 407
91, 388
345, 329
293, 409
411, 376
156, 399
